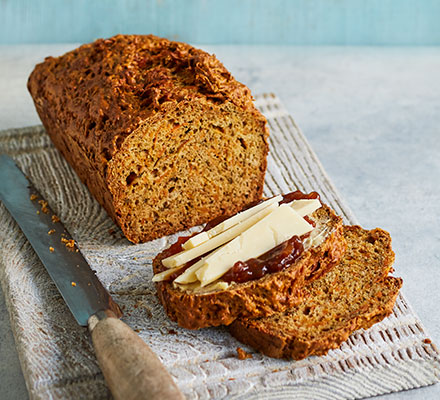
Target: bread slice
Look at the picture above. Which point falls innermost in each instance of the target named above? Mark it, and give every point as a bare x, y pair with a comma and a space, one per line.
355, 294
160, 132
272, 293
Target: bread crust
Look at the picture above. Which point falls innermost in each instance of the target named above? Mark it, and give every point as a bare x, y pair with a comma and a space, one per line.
92, 99
291, 342
273, 293
298, 348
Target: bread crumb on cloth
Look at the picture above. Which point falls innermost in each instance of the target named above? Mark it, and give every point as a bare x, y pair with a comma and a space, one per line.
243, 354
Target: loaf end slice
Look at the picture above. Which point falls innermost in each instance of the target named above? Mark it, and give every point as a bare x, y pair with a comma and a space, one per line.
272, 293
355, 294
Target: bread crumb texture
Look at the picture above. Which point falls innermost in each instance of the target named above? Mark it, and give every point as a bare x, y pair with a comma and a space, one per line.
160, 132
355, 294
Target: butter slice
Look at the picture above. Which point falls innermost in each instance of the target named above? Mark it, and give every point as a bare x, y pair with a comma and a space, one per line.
228, 223
189, 276
224, 237
305, 206
161, 276
218, 285
274, 229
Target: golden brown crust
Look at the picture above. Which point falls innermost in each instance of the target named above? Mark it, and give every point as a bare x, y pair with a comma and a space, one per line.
297, 347
92, 99
272, 293
335, 306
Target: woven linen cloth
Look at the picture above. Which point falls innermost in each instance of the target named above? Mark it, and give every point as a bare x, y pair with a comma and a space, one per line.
56, 354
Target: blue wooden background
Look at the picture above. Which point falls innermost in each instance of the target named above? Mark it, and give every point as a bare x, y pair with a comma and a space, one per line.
300, 22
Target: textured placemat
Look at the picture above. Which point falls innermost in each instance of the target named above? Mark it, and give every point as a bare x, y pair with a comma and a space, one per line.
56, 355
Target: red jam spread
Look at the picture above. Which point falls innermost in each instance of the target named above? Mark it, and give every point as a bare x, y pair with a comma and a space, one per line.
298, 195
274, 260
214, 222
177, 248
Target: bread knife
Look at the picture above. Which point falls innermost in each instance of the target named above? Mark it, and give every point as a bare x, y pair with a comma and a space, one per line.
130, 368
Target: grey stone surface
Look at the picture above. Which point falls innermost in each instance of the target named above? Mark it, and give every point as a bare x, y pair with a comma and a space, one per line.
373, 117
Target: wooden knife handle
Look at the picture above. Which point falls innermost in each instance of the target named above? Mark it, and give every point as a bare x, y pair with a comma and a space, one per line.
130, 368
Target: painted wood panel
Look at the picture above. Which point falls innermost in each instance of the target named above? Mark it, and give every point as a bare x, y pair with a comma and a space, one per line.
299, 22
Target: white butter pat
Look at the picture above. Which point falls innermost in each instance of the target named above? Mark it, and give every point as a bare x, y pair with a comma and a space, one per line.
219, 286
161, 276
196, 240
196, 288
189, 276
224, 237
305, 206
274, 229
230, 222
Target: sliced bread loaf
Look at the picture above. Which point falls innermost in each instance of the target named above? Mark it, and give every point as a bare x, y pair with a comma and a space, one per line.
160, 132
213, 306
355, 294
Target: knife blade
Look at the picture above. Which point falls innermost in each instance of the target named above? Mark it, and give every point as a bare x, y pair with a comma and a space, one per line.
78, 285
130, 367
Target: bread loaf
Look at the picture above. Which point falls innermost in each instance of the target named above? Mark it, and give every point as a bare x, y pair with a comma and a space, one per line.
355, 294
271, 293
160, 132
